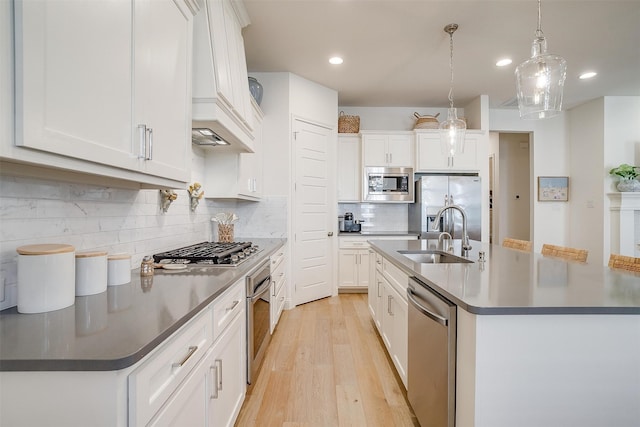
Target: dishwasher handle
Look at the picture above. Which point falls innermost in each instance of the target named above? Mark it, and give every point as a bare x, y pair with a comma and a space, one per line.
412, 299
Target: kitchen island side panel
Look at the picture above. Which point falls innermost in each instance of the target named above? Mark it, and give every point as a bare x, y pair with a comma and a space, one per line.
553, 370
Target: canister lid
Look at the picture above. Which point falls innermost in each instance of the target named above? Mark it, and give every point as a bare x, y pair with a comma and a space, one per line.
90, 254
45, 249
118, 256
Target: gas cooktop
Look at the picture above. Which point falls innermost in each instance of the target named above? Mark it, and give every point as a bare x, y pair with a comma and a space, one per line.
209, 253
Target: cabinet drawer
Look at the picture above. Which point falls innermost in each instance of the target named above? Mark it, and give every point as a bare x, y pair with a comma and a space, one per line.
378, 262
151, 384
277, 258
397, 278
227, 306
353, 243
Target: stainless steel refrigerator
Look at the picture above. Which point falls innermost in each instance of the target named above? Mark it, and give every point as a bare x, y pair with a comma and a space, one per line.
431, 194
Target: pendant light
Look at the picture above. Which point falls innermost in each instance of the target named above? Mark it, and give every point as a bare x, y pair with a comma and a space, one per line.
453, 129
540, 80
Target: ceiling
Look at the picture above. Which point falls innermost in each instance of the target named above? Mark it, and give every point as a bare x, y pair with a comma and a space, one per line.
396, 52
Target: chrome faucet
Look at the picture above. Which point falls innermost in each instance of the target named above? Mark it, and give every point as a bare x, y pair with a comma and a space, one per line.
465, 237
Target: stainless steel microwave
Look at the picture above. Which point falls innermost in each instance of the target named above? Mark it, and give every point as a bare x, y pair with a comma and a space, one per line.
382, 184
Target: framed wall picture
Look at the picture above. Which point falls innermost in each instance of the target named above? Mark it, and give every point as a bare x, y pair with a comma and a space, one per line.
553, 188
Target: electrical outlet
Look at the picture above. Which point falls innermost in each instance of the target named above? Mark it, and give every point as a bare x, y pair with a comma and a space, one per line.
590, 204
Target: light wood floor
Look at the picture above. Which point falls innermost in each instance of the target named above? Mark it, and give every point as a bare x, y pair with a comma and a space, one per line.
326, 366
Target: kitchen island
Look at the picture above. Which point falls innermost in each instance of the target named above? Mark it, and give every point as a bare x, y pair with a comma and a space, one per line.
87, 364
540, 341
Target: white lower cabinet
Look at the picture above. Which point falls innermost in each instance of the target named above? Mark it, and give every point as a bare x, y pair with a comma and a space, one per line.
278, 282
199, 377
389, 308
353, 268
375, 289
227, 372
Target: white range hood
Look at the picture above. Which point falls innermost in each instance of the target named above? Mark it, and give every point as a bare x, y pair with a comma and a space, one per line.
221, 97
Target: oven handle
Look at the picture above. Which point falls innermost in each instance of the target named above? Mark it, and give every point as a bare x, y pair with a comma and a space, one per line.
262, 289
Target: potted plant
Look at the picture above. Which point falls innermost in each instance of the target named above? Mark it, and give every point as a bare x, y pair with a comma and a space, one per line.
628, 177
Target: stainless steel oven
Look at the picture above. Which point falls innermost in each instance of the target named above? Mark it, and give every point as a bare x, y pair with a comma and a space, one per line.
258, 318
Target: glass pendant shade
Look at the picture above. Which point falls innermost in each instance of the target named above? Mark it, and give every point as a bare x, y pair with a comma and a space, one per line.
540, 80
452, 130
452, 133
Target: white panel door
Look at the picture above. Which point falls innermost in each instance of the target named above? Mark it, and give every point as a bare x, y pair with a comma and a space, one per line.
311, 219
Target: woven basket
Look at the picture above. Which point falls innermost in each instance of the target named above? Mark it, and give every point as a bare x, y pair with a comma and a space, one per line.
426, 122
348, 124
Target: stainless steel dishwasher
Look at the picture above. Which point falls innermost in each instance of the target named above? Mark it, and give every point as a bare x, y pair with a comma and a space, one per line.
431, 382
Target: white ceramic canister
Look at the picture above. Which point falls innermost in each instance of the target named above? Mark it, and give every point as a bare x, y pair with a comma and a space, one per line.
46, 277
119, 269
91, 272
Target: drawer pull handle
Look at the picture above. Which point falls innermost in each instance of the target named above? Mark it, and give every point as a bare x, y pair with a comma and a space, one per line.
214, 382
219, 374
235, 303
192, 349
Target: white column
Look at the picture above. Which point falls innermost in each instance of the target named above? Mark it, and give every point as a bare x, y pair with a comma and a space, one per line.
625, 238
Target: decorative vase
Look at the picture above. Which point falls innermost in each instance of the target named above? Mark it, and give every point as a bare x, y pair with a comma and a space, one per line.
625, 185
256, 89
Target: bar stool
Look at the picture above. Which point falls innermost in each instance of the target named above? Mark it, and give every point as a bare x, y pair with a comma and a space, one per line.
521, 245
623, 262
569, 254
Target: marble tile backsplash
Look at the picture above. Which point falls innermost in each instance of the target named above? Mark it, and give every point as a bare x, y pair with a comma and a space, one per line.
114, 220
378, 216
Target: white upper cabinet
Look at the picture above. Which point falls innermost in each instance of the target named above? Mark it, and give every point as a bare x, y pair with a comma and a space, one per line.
429, 156
162, 72
393, 149
83, 88
349, 170
221, 97
232, 175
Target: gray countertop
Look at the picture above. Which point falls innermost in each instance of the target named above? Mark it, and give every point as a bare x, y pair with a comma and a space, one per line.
372, 234
115, 329
516, 282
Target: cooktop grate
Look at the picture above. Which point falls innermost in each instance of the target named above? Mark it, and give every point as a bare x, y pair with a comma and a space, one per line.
217, 252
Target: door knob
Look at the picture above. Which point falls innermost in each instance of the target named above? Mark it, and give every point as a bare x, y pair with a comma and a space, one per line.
330, 233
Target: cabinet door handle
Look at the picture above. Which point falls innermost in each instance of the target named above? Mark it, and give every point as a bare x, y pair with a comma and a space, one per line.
219, 371
150, 155
273, 282
235, 303
192, 349
214, 382
390, 157
379, 295
389, 297
142, 141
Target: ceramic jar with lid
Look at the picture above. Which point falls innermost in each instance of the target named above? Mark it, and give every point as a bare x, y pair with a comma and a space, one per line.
46, 277
91, 272
118, 269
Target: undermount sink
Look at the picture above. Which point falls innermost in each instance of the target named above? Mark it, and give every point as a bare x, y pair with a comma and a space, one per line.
433, 257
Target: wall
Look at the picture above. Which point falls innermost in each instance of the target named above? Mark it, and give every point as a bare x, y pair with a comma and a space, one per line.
587, 181
513, 198
549, 157
603, 134
378, 216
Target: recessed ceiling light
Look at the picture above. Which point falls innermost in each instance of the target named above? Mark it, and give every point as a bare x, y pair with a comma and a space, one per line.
588, 75
503, 62
336, 60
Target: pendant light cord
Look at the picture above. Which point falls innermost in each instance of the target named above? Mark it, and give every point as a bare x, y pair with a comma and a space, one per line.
539, 33
451, 67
